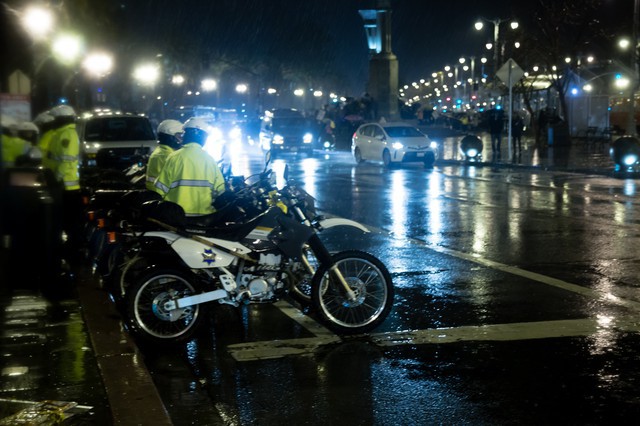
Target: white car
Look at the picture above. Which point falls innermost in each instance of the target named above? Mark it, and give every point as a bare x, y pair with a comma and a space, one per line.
393, 143
109, 140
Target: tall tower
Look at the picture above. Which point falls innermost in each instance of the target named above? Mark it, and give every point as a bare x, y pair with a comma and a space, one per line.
383, 64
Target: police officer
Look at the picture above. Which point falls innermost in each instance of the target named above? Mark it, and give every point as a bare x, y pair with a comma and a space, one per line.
29, 132
12, 146
45, 124
63, 152
191, 177
168, 142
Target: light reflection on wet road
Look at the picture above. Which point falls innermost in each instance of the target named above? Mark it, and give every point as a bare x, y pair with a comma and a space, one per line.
517, 301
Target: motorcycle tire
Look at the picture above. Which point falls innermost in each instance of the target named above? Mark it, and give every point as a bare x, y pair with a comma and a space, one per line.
127, 274
145, 314
371, 282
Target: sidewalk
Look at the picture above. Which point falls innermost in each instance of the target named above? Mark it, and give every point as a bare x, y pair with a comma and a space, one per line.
70, 361
580, 156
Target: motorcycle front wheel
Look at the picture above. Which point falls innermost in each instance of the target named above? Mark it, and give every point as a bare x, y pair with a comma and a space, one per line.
371, 284
147, 316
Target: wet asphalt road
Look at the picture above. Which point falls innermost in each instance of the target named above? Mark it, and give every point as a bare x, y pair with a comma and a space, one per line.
516, 303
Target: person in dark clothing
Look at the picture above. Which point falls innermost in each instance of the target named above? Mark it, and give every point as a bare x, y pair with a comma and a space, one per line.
496, 126
517, 128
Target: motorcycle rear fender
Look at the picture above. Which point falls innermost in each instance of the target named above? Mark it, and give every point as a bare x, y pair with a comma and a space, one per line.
338, 221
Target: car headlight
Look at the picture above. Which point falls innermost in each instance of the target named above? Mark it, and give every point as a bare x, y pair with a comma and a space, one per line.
278, 140
433, 145
307, 138
235, 133
397, 145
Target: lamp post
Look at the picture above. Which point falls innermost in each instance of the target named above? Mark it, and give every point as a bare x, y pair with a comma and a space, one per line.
98, 65
479, 25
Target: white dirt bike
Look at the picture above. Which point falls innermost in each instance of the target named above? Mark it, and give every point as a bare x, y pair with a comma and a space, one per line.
277, 251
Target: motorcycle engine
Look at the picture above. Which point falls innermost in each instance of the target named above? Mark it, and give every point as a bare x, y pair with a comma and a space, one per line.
260, 288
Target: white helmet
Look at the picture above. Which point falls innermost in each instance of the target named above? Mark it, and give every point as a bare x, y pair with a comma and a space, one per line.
43, 118
170, 127
196, 123
7, 122
27, 126
62, 111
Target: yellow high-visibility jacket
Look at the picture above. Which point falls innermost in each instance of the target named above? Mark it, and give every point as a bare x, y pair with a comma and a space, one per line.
12, 148
43, 144
156, 164
192, 179
64, 150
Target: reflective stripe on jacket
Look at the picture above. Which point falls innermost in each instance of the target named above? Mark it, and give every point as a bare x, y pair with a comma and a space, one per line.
192, 179
155, 165
64, 150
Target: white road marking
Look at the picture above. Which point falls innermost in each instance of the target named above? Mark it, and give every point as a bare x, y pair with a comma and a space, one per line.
507, 332
554, 282
494, 332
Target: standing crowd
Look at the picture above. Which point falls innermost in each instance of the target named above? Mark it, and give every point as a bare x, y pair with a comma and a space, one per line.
178, 169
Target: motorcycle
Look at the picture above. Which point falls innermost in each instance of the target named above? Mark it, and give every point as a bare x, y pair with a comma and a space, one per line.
274, 251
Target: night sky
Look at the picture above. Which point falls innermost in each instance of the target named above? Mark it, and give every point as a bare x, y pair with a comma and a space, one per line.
325, 33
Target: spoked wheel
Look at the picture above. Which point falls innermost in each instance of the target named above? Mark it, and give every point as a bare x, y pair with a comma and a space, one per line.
128, 273
371, 287
147, 314
303, 275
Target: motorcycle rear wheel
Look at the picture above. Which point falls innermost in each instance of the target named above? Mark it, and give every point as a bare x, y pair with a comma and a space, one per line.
149, 320
371, 282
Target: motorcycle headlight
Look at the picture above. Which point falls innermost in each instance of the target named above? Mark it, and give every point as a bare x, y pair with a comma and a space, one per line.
278, 140
630, 159
307, 138
472, 152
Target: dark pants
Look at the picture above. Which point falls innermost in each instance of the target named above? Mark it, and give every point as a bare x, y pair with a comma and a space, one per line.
496, 139
72, 218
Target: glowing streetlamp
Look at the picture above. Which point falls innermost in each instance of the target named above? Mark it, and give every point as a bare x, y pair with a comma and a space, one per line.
98, 64
479, 25
242, 88
147, 74
177, 80
38, 21
209, 85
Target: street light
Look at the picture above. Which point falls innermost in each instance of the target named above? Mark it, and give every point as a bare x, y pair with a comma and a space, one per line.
479, 25
38, 21
147, 74
67, 48
98, 64
209, 85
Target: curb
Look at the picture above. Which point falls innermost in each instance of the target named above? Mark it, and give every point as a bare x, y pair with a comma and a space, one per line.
132, 395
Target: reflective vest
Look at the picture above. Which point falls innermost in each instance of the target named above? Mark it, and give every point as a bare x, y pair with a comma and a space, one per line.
64, 149
155, 164
43, 144
12, 148
192, 179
